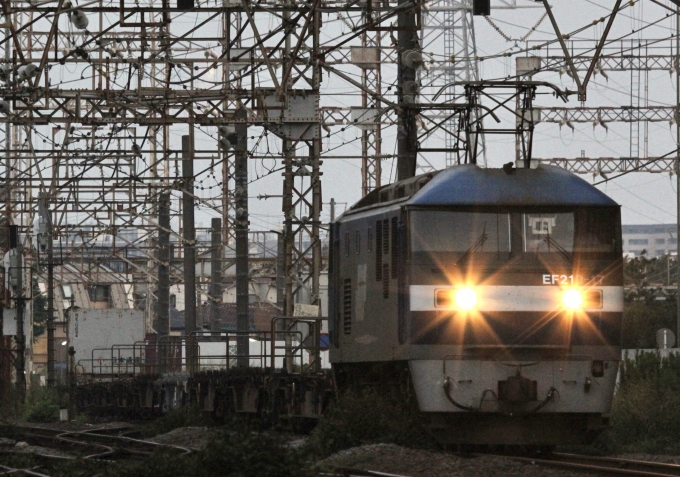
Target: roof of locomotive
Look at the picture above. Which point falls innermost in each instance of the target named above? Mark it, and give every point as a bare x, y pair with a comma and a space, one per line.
470, 185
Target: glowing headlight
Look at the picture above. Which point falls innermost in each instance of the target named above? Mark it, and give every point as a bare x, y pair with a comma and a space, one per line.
465, 298
572, 299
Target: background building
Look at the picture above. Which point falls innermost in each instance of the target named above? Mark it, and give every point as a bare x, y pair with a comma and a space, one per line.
656, 239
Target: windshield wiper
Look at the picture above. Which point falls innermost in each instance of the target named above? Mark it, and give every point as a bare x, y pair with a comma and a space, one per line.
560, 249
474, 247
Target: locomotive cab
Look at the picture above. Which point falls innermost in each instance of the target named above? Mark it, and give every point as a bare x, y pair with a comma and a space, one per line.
497, 295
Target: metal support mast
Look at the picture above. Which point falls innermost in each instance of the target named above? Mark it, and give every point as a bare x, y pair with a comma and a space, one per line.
410, 58
241, 226
45, 242
677, 170
16, 271
163, 288
215, 273
189, 236
371, 136
449, 25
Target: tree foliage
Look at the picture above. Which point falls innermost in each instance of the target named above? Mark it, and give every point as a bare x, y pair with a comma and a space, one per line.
644, 276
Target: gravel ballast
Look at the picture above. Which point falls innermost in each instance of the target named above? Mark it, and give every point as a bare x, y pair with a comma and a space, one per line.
393, 459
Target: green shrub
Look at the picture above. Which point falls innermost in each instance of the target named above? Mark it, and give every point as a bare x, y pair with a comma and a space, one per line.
187, 416
357, 419
43, 404
645, 414
41, 411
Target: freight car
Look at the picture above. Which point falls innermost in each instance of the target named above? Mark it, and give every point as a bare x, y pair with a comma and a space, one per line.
491, 297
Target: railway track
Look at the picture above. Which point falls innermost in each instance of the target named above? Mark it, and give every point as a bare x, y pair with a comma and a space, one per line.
4, 470
103, 443
602, 465
351, 472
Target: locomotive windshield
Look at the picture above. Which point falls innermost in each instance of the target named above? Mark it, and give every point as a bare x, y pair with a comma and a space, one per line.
436, 231
556, 232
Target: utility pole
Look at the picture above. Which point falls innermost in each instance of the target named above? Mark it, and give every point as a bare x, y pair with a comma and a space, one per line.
280, 274
241, 231
410, 58
4, 349
163, 290
215, 275
45, 242
16, 282
189, 236
677, 168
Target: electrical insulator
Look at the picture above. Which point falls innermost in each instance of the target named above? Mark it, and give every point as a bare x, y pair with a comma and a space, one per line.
224, 143
412, 59
79, 20
410, 87
226, 130
27, 72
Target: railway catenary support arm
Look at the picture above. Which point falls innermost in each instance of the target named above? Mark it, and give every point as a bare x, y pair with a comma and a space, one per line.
582, 85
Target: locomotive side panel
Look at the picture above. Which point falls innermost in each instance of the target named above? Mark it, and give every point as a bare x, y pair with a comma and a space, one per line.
366, 270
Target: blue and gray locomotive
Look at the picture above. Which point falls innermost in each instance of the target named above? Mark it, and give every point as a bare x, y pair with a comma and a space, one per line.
494, 297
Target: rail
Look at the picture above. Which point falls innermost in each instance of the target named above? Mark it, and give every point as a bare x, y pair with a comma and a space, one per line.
601, 465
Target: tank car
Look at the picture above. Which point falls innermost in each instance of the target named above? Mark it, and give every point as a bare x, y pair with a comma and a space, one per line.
492, 297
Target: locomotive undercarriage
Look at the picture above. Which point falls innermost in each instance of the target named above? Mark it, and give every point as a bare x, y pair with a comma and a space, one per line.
518, 417
533, 431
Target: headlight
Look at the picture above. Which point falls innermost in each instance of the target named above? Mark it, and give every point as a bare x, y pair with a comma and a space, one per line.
572, 299
582, 299
463, 299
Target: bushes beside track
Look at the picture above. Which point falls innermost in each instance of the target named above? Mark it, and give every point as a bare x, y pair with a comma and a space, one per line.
645, 414
42, 404
358, 419
187, 416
